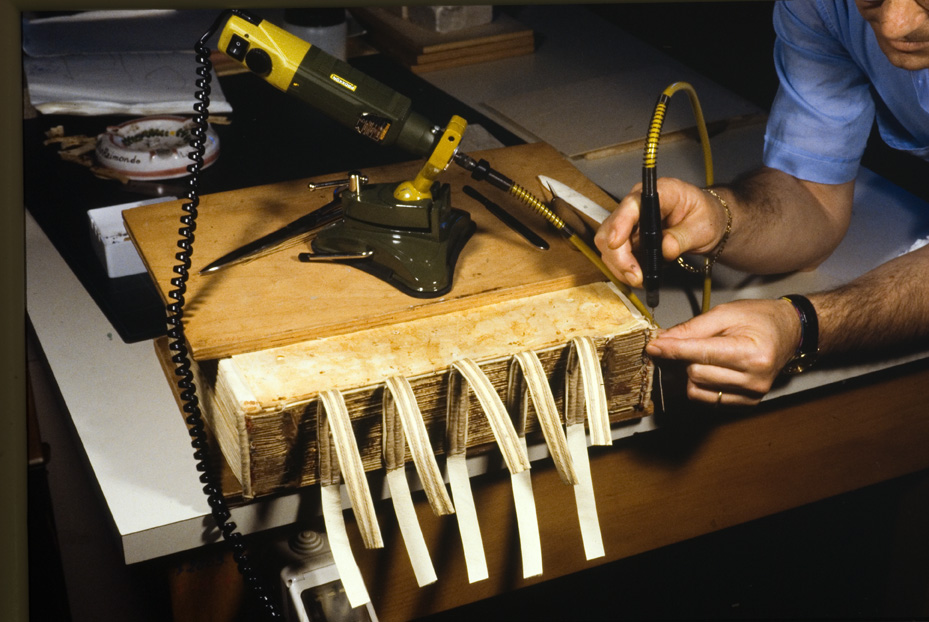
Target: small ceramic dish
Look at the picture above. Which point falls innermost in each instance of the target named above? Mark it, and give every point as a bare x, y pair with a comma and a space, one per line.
153, 147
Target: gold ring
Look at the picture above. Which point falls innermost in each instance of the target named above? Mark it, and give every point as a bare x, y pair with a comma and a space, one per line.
719, 398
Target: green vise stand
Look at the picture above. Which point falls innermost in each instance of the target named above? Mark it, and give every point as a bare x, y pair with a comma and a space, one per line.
413, 245
406, 233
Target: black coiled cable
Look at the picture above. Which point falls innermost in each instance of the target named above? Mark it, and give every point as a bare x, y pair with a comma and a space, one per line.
212, 487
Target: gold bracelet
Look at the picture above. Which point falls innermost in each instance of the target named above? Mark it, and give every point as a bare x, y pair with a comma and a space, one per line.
714, 255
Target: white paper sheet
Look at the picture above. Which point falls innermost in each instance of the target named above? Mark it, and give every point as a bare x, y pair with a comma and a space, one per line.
143, 83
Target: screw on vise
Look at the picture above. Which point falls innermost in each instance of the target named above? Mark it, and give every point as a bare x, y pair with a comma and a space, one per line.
354, 175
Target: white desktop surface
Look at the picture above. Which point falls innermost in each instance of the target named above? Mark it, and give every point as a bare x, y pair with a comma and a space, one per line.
123, 410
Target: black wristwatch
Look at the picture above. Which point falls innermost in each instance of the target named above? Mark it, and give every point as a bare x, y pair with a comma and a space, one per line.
805, 355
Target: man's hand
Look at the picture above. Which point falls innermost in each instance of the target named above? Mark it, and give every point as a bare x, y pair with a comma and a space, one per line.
736, 349
693, 222
779, 224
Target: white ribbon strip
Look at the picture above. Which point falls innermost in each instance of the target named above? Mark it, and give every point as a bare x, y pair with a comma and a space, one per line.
399, 403
527, 521
414, 431
409, 527
471, 541
513, 452
583, 362
334, 414
352, 581
456, 464
584, 492
598, 412
541, 393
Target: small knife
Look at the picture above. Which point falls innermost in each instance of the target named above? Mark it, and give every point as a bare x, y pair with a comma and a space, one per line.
280, 239
508, 219
578, 201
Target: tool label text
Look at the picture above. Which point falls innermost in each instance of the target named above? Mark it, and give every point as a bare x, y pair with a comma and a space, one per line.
340, 80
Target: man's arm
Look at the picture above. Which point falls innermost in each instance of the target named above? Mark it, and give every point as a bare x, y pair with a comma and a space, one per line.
888, 306
739, 348
784, 223
779, 223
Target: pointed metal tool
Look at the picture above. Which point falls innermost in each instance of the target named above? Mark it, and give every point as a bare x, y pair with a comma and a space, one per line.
282, 238
508, 219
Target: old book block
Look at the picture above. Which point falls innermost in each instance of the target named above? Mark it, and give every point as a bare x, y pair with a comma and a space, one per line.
262, 405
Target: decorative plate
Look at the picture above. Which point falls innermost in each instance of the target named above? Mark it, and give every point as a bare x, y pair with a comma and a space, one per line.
153, 147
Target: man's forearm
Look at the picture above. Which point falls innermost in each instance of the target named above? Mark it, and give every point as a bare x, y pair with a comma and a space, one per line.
887, 307
781, 224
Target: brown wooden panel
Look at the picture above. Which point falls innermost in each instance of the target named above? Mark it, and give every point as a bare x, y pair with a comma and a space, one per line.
277, 300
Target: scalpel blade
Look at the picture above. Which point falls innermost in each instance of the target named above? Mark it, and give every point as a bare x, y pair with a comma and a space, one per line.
581, 203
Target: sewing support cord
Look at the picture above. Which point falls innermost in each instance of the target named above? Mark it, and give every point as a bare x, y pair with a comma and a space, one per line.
516, 457
528, 381
399, 399
582, 365
456, 443
400, 395
331, 498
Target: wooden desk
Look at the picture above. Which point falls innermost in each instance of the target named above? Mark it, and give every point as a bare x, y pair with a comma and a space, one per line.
705, 473
699, 474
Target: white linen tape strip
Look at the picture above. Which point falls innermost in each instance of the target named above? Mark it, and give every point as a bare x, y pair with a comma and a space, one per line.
341, 550
471, 541
409, 527
547, 412
339, 423
598, 414
414, 430
584, 493
527, 522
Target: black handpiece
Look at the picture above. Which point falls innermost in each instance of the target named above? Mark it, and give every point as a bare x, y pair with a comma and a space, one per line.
650, 242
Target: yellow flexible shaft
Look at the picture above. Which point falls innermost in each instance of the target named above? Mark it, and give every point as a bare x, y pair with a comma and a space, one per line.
701, 125
527, 197
651, 157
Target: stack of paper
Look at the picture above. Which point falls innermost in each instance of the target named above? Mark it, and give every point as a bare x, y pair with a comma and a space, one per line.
86, 64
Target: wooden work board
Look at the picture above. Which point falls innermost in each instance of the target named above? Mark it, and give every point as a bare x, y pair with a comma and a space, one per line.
277, 300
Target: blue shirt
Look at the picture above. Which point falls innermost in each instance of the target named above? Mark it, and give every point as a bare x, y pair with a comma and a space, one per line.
834, 82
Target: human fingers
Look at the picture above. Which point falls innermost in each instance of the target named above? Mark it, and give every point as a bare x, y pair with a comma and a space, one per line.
740, 388
738, 348
731, 352
770, 327
614, 240
697, 340
694, 219
721, 397
720, 365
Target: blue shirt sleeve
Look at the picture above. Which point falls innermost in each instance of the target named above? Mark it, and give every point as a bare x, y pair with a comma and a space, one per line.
823, 111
